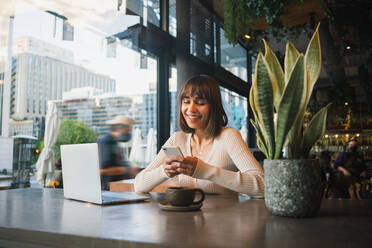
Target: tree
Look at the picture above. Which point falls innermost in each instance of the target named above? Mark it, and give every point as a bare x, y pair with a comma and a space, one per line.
73, 132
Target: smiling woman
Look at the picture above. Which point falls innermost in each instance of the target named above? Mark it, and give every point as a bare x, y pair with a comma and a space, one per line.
217, 158
196, 97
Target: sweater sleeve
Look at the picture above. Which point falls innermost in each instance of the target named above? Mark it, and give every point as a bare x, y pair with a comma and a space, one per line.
154, 174
249, 177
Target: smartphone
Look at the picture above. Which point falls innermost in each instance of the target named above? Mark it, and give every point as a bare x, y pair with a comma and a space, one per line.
172, 150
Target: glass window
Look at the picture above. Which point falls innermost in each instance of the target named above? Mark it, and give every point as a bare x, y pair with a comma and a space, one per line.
233, 58
69, 55
201, 32
20, 68
173, 93
153, 12
147, 10
53, 82
193, 44
28, 83
172, 18
235, 107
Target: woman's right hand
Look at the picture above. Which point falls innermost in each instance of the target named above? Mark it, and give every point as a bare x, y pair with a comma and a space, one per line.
171, 165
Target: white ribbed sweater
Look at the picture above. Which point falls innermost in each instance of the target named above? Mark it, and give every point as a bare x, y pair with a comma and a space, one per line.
228, 168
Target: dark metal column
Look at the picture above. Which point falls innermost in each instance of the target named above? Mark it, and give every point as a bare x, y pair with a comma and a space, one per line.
218, 44
164, 15
163, 109
182, 41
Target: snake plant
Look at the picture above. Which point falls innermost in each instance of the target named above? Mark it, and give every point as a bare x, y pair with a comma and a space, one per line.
279, 99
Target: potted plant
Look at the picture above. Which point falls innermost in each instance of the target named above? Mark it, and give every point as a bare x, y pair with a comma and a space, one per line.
279, 98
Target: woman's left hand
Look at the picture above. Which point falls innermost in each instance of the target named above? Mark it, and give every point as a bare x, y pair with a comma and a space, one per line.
187, 166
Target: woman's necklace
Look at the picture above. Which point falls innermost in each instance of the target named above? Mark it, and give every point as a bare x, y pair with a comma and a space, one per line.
201, 150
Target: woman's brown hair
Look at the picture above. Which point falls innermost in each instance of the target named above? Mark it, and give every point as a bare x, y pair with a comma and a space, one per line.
207, 88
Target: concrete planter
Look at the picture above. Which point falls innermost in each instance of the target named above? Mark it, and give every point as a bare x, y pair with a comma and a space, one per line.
293, 188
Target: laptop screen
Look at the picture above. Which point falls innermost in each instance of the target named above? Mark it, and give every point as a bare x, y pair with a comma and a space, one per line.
80, 171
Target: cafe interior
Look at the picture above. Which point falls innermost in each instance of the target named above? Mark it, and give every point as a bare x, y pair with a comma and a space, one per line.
85, 62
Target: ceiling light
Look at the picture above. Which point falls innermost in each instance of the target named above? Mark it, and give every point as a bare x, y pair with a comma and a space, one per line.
348, 47
247, 36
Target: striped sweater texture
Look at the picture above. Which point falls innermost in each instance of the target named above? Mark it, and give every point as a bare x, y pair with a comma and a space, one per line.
229, 168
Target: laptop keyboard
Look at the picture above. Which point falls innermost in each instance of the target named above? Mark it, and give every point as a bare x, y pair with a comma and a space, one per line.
107, 198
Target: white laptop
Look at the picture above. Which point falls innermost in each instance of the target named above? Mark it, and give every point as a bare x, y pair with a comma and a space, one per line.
81, 177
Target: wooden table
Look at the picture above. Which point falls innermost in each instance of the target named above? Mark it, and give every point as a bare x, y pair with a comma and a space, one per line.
128, 186
37, 217
5, 181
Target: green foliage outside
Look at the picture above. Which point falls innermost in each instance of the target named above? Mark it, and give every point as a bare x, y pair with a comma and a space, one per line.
39, 144
73, 132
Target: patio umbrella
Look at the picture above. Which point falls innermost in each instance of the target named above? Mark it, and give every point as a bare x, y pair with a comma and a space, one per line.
136, 155
45, 163
151, 146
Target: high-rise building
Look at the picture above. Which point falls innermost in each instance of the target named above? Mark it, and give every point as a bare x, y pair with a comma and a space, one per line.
35, 46
89, 105
235, 109
37, 79
173, 111
146, 112
1, 97
21, 127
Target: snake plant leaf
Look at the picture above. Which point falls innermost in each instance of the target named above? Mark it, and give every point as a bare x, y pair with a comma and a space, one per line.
263, 96
290, 105
277, 72
253, 103
295, 135
313, 60
315, 130
260, 138
291, 56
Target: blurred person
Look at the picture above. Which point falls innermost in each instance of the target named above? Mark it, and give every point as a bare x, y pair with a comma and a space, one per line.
350, 168
217, 158
113, 165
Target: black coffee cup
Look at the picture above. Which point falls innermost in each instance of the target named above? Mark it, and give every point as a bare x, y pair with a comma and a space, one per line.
181, 196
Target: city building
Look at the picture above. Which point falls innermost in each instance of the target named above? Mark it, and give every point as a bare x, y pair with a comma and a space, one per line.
28, 44
93, 107
21, 127
146, 112
36, 79
235, 107
1, 98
